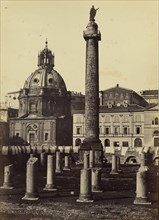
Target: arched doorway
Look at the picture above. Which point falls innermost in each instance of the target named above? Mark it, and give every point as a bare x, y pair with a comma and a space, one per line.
131, 160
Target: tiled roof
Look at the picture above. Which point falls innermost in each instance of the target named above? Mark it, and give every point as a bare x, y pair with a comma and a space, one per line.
129, 108
150, 92
104, 109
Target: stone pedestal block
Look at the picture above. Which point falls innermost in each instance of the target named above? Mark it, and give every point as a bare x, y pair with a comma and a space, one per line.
32, 180
96, 180
58, 162
50, 185
8, 174
114, 165
141, 187
85, 186
67, 163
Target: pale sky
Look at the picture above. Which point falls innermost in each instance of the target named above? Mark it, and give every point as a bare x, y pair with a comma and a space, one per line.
128, 51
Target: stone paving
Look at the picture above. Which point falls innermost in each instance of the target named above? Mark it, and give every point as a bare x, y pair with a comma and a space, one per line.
116, 202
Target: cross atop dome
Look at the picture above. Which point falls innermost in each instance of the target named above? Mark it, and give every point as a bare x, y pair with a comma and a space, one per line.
46, 43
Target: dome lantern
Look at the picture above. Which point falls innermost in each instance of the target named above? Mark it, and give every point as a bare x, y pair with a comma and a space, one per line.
46, 58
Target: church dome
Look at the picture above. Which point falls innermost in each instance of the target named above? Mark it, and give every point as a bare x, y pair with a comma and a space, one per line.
45, 77
42, 78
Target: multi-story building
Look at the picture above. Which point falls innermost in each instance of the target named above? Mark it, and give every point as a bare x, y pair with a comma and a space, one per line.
151, 126
121, 118
126, 121
5, 113
151, 96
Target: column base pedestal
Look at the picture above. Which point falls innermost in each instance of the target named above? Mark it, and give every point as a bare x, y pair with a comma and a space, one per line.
114, 172
85, 198
120, 171
50, 187
142, 201
31, 197
6, 187
96, 189
58, 171
66, 168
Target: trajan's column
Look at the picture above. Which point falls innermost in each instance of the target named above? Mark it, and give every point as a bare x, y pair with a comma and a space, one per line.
92, 36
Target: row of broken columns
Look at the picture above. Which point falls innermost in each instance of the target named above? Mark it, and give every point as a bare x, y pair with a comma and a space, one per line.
90, 176
54, 165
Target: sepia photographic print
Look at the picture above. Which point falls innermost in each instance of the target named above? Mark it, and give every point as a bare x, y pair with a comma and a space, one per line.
79, 110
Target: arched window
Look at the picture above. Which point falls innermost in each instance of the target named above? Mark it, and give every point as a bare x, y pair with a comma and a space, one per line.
138, 142
77, 142
156, 121
107, 143
156, 133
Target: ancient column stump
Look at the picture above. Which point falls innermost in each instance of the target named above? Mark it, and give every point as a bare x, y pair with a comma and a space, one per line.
43, 159
50, 185
86, 160
67, 163
85, 186
91, 159
96, 180
141, 187
118, 165
114, 165
58, 162
31, 180
8, 174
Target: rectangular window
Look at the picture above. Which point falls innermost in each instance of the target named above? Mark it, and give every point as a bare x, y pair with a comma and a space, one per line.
125, 130
116, 143
46, 136
125, 144
33, 108
116, 130
138, 130
78, 130
106, 130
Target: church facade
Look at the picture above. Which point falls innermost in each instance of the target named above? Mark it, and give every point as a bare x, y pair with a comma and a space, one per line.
44, 107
